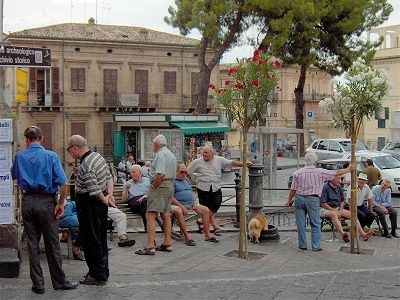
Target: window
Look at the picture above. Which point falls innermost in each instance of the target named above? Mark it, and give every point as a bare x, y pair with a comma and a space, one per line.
108, 138
78, 128
323, 145
77, 79
110, 87
142, 87
334, 146
381, 123
47, 129
170, 82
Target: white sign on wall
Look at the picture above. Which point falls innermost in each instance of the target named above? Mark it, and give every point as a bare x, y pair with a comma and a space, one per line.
6, 192
5, 130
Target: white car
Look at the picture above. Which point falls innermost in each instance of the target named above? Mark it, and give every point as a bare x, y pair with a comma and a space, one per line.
385, 163
333, 148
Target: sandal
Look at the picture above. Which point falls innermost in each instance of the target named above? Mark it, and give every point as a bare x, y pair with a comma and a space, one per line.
190, 243
164, 248
212, 240
217, 231
145, 251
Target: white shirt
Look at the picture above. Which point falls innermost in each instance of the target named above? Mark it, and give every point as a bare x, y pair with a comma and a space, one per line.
209, 172
363, 194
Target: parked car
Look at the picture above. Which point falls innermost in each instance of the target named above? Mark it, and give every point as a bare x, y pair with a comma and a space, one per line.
388, 165
392, 148
333, 148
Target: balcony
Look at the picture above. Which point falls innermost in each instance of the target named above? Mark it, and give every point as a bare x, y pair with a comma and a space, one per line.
313, 97
126, 102
37, 102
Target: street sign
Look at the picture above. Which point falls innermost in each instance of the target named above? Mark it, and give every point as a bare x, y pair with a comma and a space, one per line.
21, 87
24, 56
309, 116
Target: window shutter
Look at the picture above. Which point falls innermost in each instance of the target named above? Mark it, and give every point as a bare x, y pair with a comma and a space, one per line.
74, 79
170, 82
32, 79
386, 113
55, 85
78, 128
81, 79
107, 138
47, 129
141, 86
110, 87
194, 78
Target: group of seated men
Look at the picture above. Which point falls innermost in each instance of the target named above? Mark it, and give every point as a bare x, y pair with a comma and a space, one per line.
369, 202
135, 191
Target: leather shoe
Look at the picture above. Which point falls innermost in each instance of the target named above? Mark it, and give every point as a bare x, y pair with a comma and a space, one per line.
89, 280
67, 286
79, 256
319, 249
387, 235
37, 290
394, 234
126, 243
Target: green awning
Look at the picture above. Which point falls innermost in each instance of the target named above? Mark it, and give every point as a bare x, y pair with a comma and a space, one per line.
201, 127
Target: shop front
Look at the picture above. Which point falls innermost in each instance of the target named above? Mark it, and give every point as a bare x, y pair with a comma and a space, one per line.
186, 135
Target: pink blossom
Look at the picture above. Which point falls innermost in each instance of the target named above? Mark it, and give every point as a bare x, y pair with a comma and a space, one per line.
277, 63
239, 85
211, 86
255, 83
221, 90
227, 82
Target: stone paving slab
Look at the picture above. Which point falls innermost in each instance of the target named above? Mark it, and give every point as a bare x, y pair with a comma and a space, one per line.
201, 272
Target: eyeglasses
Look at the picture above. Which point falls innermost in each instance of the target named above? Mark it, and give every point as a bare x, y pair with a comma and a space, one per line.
183, 172
69, 148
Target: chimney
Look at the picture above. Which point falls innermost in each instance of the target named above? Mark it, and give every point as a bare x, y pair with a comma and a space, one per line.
91, 21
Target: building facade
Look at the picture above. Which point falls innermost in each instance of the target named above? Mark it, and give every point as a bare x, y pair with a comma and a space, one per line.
107, 83
385, 127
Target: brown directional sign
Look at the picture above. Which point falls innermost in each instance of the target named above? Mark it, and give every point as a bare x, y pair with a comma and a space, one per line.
24, 56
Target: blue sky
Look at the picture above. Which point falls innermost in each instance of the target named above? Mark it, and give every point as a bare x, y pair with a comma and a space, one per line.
21, 14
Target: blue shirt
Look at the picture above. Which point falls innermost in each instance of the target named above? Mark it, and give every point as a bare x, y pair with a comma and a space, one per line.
38, 170
331, 195
138, 188
383, 198
183, 191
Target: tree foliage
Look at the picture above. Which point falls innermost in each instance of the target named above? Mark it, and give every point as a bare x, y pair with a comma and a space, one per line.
220, 24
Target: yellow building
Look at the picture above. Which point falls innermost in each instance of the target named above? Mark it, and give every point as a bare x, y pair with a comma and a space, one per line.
109, 82
378, 130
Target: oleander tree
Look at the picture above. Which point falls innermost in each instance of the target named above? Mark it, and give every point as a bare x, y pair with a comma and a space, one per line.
357, 96
245, 100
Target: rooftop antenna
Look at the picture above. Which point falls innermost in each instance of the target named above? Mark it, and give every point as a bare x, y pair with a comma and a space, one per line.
84, 11
96, 13
72, 5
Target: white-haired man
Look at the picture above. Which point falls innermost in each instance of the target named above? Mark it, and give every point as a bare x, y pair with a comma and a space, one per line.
208, 169
382, 206
306, 189
162, 172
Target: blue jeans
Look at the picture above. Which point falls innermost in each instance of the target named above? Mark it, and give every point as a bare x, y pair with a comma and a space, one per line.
308, 205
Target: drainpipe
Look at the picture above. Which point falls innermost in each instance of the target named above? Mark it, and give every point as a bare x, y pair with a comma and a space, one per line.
182, 100
62, 98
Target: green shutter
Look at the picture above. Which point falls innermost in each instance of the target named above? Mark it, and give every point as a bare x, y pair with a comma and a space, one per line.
381, 142
386, 113
118, 144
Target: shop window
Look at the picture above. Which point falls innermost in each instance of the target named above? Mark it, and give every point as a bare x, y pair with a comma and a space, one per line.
77, 79
170, 82
174, 139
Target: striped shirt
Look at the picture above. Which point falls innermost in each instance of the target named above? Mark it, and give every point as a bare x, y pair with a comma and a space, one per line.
93, 174
310, 179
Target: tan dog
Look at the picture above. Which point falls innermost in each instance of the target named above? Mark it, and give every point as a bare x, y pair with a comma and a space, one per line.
258, 223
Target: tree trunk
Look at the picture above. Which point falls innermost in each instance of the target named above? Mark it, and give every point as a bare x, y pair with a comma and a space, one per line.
353, 202
299, 99
242, 224
204, 80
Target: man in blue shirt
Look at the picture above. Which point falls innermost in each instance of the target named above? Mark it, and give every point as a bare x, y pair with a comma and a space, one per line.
382, 205
183, 201
40, 177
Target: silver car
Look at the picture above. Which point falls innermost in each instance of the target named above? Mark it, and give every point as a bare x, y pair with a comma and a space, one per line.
392, 148
333, 148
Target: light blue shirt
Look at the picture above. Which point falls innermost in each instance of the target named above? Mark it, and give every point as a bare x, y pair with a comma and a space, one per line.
164, 163
38, 170
138, 188
383, 198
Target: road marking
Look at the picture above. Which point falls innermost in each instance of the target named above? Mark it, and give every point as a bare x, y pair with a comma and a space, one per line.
249, 279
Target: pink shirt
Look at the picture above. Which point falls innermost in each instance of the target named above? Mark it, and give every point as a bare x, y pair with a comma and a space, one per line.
310, 179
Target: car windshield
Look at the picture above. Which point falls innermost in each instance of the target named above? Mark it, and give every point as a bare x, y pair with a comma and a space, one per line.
347, 146
392, 146
386, 162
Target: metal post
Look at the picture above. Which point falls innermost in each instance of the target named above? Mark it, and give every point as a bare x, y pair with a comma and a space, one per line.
256, 204
238, 183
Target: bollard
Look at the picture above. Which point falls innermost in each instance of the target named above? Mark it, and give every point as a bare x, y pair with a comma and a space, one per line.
238, 186
256, 204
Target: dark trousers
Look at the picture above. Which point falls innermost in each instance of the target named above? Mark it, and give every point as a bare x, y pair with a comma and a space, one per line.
139, 208
38, 218
365, 216
382, 218
92, 216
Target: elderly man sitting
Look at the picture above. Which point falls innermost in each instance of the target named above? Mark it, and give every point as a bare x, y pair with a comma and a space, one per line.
332, 207
382, 200
183, 201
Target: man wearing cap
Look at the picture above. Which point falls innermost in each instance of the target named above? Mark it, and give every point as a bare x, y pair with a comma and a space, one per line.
382, 206
364, 197
306, 189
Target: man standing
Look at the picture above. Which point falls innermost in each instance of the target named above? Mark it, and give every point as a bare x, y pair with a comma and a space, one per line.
159, 197
183, 201
40, 176
373, 173
382, 205
94, 193
364, 198
332, 207
208, 169
306, 189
